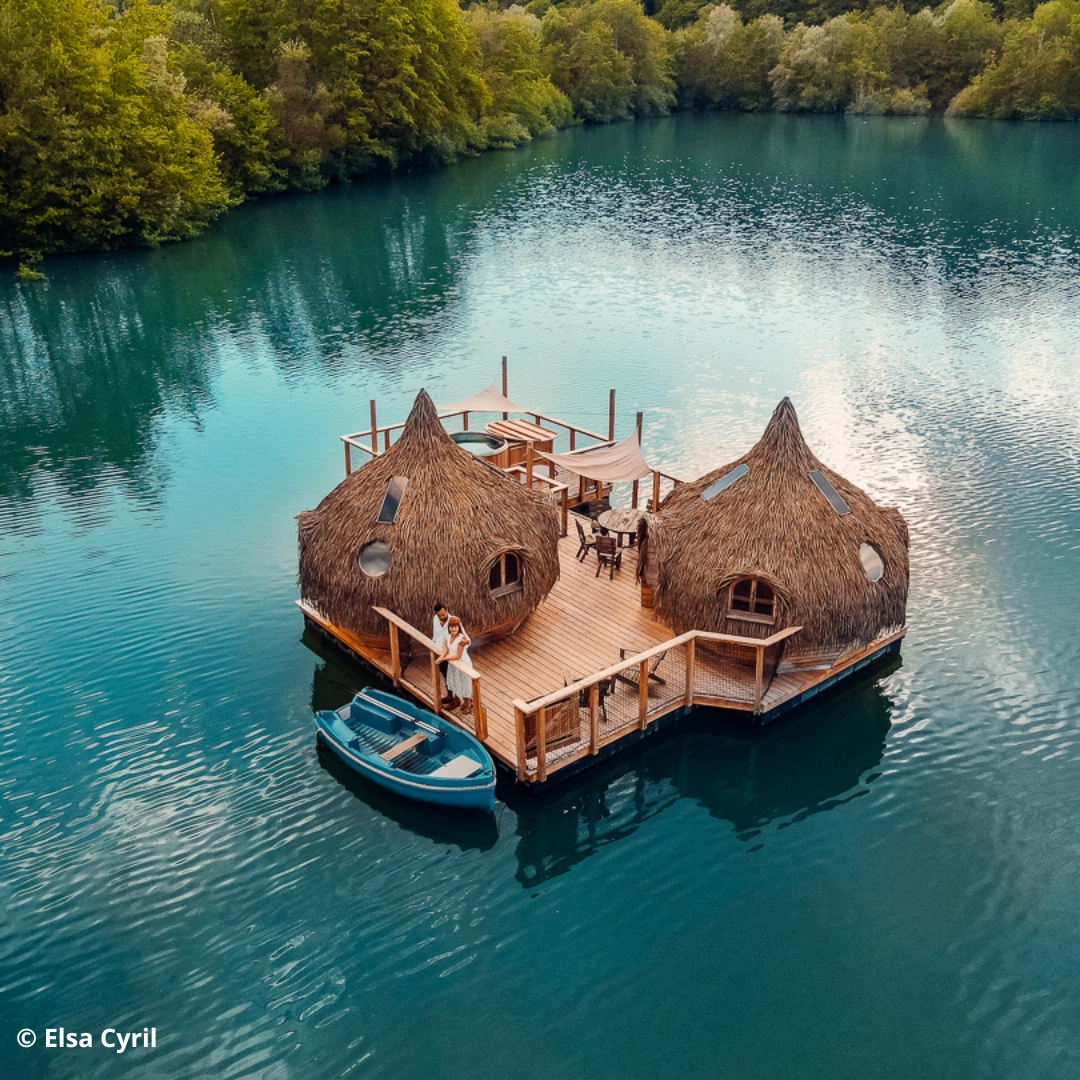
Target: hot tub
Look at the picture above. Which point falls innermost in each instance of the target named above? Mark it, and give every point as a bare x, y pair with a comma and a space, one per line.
483, 446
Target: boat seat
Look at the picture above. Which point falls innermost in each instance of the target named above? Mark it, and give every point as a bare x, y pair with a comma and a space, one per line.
408, 744
459, 767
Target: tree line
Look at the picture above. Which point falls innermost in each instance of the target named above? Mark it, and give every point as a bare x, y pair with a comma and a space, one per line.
131, 122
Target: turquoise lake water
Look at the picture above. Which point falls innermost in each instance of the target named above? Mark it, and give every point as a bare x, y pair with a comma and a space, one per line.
885, 884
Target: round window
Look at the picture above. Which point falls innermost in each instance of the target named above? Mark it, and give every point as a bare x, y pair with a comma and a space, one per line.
375, 558
872, 565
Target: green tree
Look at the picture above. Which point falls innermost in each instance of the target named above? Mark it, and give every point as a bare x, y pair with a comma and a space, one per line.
724, 64
524, 102
610, 59
404, 75
1037, 75
98, 147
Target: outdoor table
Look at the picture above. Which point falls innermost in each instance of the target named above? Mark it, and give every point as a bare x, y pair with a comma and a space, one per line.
621, 520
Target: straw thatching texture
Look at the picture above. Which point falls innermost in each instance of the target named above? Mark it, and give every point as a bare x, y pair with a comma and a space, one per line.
458, 514
775, 525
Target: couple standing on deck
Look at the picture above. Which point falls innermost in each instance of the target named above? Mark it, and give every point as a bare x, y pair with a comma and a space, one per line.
448, 633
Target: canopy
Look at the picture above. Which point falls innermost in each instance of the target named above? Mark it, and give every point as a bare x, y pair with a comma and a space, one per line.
615, 464
489, 400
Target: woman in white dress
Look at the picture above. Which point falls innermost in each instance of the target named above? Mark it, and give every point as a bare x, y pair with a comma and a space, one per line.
457, 682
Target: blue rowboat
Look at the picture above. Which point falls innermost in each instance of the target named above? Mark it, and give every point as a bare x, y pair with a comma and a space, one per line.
409, 750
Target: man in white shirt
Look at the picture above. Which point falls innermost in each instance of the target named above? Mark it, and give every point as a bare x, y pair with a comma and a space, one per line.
440, 634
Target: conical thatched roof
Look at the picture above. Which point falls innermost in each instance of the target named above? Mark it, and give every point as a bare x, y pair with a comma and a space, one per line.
456, 517
775, 525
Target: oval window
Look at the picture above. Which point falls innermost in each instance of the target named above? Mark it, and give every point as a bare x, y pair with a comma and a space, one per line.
375, 558
872, 565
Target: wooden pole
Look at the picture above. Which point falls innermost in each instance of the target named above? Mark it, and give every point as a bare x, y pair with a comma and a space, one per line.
506, 416
519, 731
436, 693
374, 428
348, 460
395, 655
655, 491
637, 428
759, 667
643, 692
688, 696
528, 464
594, 715
611, 418
541, 744
479, 716
565, 509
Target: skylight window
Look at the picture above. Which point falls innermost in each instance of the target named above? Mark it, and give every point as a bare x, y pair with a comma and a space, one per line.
726, 480
394, 491
830, 492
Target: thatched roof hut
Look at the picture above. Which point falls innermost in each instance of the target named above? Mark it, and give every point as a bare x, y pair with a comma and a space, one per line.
426, 522
776, 539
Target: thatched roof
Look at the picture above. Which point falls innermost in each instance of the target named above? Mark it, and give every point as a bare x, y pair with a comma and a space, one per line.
457, 515
774, 524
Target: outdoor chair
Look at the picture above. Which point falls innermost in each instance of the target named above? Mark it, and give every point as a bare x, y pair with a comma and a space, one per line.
631, 677
609, 554
587, 541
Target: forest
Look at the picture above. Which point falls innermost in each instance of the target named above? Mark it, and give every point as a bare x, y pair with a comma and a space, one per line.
129, 122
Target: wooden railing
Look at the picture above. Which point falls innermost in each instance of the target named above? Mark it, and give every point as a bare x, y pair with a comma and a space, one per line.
397, 626
552, 725
368, 441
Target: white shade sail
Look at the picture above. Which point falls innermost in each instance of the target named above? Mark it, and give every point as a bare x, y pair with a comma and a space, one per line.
489, 400
616, 464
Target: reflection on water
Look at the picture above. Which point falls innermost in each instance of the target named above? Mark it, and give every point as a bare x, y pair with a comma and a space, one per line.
891, 870
758, 779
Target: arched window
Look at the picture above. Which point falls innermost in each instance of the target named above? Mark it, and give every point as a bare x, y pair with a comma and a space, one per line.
505, 574
752, 600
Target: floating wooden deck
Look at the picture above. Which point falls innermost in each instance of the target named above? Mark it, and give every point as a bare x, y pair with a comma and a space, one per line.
556, 695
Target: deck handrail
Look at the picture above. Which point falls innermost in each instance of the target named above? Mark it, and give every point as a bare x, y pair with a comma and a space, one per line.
538, 707
419, 635
648, 654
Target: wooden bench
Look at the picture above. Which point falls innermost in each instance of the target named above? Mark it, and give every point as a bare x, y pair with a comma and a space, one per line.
459, 767
408, 744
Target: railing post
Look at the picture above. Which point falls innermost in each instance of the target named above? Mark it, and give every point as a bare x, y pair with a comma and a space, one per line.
528, 464
479, 716
436, 693
395, 656
374, 429
386, 439
688, 697
759, 667
643, 692
541, 744
655, 492
565, 511
519, 732
633, 497
506, 416
611, 418
573, 432
348, 458
594, 718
